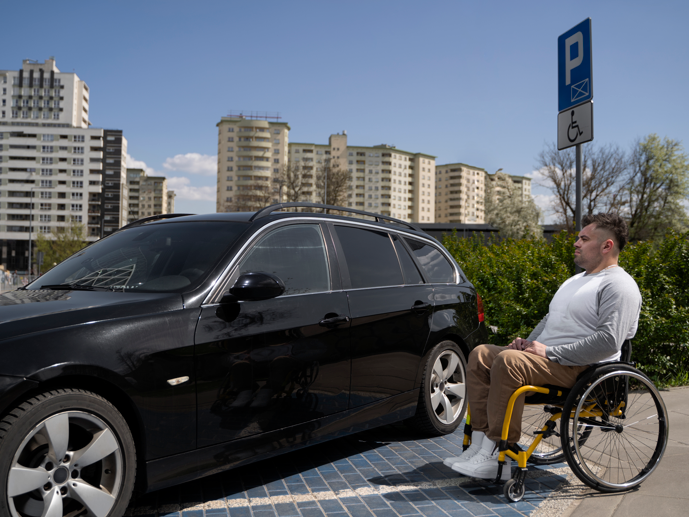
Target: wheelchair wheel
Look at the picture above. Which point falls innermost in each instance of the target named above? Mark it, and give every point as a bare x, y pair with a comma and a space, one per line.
627, 426
549, 450
514, 491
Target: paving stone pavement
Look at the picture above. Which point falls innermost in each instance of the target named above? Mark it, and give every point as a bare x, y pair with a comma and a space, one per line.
385, 472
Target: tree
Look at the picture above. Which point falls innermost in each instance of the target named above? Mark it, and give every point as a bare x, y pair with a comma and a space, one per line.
508, 210
295, 180
253, 196
656, 185
64, 242
603, 169
331, 183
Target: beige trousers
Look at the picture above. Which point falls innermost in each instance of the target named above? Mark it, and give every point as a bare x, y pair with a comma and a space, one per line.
495, 372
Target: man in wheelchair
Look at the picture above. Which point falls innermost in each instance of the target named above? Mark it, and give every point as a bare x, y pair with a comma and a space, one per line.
589, 318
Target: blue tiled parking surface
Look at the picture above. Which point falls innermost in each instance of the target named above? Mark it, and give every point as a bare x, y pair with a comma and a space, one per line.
384, 472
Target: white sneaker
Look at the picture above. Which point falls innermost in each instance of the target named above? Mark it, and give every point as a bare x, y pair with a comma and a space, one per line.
484, 465
476, 441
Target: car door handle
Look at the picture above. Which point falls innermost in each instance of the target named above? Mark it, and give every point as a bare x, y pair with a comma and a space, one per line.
420, 307
334, 321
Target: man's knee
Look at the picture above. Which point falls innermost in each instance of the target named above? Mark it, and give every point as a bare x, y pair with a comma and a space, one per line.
506, 361
479, 356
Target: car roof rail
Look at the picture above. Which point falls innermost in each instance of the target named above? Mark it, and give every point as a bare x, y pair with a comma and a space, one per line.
265, 212
152, 218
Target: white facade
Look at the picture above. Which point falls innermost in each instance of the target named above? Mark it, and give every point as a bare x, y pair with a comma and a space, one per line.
39, 92
56, 168
460, 193
382, 178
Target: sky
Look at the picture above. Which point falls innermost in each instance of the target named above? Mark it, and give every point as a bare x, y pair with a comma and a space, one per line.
465, 81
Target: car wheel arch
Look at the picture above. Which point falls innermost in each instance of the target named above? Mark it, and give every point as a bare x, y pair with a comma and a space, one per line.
101, 385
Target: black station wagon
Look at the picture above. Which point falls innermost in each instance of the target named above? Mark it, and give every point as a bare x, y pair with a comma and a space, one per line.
181, 346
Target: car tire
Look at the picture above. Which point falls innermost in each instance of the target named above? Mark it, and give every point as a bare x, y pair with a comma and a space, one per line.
65, 449
442, 397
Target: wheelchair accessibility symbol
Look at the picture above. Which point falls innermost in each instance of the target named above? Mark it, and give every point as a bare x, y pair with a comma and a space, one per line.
573, 131
575, 126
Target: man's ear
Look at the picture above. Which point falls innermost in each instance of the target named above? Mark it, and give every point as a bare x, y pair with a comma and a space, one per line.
608, 246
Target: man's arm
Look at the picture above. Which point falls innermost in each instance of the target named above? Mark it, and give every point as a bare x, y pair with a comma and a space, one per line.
618, 314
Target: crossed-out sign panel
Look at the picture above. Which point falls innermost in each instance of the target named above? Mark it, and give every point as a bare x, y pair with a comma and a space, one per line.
575, 66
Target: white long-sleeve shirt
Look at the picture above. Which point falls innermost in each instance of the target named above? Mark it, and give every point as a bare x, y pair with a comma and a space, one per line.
590, 317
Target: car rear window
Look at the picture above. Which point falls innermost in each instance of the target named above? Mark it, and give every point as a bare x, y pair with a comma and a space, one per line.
170, 257
436, 266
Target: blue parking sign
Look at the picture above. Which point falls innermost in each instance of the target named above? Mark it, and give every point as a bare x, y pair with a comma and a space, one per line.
575, 66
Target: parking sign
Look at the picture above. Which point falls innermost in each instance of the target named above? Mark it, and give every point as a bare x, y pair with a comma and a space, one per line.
575, 66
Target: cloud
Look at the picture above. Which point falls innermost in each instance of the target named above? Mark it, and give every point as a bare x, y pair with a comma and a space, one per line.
184, 190
545, 203
539, 178
133, 163
193, 163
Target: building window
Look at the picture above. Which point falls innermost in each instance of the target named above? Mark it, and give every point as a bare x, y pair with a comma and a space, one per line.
78, 172
230, 159
276, 151
230, 139
46, 195
46, 172
229, 169
230, 130
76, 207
77, 161
78, 138
229, 188
77, 195
77, 184
78, 150
276, 160
45, 218
46, 148
46, 183
276, 131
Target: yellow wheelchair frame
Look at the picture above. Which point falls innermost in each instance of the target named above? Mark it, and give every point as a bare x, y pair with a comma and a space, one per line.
598, 410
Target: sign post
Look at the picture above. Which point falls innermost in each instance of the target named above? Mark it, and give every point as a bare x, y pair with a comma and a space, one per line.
575, 96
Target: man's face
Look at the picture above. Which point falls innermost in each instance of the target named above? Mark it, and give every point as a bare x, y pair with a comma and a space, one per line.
588, 248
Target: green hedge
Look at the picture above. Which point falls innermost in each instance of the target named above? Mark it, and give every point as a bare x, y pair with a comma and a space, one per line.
518, 278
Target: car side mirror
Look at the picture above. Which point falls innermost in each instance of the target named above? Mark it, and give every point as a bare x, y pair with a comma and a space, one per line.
256, 286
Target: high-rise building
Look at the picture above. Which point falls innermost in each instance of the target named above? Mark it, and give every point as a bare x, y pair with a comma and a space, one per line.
460, 193
148, 195
252, 150
52, 165
382, 179
40, 92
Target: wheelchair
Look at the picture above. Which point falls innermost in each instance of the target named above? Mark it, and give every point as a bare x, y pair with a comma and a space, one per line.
612, 433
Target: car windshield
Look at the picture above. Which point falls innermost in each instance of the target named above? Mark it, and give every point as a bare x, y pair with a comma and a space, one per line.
169, 257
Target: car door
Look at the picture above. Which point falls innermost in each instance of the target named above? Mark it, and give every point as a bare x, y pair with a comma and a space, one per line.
264, 365
454, 299
391, 308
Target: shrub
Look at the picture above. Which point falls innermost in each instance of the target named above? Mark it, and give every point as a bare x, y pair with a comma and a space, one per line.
518, 278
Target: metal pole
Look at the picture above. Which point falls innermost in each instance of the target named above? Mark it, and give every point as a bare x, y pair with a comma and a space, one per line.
30, 224
577, 216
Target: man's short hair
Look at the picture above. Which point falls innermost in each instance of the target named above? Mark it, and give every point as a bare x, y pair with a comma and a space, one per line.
611, 222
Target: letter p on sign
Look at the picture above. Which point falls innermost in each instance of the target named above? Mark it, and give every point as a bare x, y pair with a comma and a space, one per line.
578, 40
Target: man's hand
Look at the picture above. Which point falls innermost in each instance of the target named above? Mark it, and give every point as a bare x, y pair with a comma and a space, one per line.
531, 347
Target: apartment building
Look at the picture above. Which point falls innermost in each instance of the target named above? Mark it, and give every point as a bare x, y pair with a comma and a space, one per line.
148, 195
54, 167
382, 178
460, 193
251, 153
522, 183
40, 92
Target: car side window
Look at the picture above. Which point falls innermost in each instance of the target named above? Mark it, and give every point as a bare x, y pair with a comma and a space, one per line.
436, 266
370, 256
411, 273
296, 254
